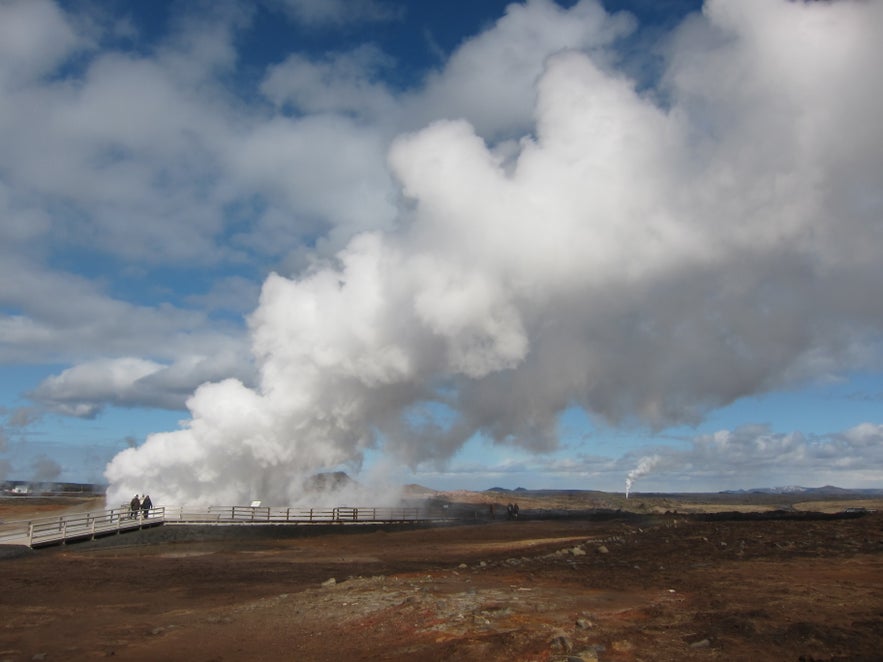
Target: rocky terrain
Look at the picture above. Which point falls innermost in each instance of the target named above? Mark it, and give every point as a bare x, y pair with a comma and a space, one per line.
686, 583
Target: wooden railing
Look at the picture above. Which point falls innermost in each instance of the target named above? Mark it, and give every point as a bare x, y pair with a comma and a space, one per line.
286, 515
90, 525
77, 526
341, 514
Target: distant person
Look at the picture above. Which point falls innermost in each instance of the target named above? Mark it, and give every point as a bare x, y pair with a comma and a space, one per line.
134, 507
510, 511
493, 514
515, 511
146, 505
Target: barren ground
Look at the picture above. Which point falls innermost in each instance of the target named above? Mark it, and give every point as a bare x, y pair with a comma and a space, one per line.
631, 586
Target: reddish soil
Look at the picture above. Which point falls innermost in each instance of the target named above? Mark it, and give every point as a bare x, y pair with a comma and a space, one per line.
654, 587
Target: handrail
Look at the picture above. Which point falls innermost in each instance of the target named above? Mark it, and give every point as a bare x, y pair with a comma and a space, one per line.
284, 514
71, 526
89, 525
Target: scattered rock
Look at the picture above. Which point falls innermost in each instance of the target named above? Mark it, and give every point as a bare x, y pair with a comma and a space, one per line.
329, 582
702, 643
584, 623
602, 549
622, 646
561, 644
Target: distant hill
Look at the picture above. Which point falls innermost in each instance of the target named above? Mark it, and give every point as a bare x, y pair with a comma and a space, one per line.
826, 490
328, 482
413, 489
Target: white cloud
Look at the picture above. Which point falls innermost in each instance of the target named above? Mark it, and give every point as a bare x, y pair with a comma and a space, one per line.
62, 316
750, 456
201, 43
121, 160
86, 388
319, 169
646, 260
490, 79
726, 459
349, 82
22, 224
646, 263
35, 35
232, 294
71, 391
325, 13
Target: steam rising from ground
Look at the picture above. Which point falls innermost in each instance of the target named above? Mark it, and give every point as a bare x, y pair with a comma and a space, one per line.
645, 466
644, 256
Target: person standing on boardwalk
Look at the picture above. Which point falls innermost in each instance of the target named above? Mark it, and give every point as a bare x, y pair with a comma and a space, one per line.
146, 505
134, 507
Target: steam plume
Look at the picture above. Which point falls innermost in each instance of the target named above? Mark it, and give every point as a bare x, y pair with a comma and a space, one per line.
645, 466
644, 260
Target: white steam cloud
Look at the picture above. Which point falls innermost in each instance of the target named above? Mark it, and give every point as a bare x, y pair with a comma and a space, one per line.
645, 466
643, 256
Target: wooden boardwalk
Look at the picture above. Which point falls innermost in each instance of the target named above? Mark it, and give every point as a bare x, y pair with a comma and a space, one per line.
63, 529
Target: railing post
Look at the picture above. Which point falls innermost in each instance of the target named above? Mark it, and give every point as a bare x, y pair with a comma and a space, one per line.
30, 534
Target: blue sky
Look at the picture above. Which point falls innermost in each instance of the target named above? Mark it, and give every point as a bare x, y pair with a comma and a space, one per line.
463, 244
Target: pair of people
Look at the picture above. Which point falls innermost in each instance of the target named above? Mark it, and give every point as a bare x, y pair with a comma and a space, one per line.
144, 504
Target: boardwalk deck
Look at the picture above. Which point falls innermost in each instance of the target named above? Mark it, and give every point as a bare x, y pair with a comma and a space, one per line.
63, 529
